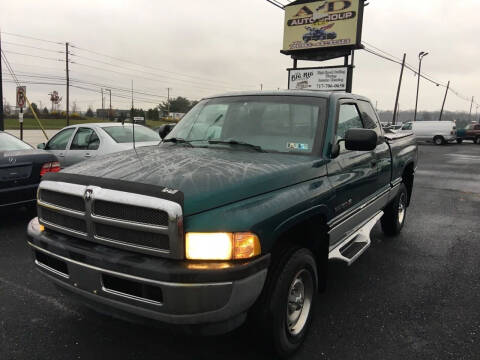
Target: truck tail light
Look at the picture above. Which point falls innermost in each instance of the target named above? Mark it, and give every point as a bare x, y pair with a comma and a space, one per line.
53, 166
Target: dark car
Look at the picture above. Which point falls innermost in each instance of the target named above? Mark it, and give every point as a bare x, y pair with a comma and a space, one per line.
21, 169
318, 34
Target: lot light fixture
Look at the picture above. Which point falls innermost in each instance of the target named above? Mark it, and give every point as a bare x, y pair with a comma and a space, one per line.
221, 246
421, 55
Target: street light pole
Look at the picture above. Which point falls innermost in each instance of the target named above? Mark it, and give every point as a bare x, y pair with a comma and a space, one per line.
420, 58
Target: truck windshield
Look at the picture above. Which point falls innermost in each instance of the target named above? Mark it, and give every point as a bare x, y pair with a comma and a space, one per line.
273, 123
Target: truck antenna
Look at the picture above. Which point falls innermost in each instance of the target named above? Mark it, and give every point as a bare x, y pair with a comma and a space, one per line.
133, 122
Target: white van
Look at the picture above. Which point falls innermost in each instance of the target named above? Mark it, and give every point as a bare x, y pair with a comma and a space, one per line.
438, 132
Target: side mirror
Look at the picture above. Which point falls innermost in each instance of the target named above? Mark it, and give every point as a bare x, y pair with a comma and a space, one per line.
164, 130
41, 146
361, 139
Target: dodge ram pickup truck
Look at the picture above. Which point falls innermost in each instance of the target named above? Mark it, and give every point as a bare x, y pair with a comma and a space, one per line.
237, 212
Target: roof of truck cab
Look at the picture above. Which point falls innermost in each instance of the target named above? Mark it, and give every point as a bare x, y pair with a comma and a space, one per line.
309, 93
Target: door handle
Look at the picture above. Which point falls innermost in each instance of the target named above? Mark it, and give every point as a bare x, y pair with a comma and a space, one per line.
88, 155
61, 155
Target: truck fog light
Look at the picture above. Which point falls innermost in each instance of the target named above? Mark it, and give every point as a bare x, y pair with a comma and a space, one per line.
221, 246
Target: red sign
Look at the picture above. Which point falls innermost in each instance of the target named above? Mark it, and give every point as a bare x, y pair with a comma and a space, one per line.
21, 96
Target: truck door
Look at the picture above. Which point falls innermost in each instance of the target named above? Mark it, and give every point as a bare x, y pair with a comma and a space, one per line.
382, 152
353, 174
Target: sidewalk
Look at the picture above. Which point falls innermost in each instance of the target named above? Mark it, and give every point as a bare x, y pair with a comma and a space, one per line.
33, 137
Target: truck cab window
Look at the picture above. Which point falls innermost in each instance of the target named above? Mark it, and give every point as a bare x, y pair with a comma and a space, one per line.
348, 118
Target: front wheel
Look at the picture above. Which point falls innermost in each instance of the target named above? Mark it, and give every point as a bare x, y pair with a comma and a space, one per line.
287, 302
477, 140
439, 140
395, 213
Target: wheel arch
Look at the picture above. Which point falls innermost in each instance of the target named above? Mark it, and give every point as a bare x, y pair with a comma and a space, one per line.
408, 176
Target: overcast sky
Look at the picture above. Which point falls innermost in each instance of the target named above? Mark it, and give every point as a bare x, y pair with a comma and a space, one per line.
202, 47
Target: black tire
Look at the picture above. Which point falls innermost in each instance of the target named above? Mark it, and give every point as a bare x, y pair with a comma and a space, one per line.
438, 140
395, 213
274, 310
459, 141
477, 140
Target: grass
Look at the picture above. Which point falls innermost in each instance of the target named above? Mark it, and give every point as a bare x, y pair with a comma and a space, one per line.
52, 124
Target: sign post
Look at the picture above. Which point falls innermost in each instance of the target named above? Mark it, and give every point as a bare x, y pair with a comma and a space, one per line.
21, 100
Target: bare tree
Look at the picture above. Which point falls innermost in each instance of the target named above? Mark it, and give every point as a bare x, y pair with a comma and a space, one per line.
74, 107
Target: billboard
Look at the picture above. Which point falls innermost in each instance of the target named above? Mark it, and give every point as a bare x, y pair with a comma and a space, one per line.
333, 78
322, 24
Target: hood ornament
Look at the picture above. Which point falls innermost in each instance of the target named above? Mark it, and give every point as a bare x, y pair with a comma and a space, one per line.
88, 194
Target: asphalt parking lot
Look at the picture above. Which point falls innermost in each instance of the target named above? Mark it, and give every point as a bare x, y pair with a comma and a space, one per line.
412, 297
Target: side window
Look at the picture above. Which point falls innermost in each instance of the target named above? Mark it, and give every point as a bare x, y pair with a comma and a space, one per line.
348, 118
407, 126
81, 139
60, 141
477, 127
369, 117
94, 142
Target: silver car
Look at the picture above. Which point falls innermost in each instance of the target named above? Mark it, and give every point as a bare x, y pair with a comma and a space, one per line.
81, 142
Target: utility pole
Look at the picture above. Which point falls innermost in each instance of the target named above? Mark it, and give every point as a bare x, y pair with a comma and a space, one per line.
68, 84
103, 113
471, 105
261, 87
444, 99
168, 101
395, 111
419, 74
2, 125
110, 107
132, 111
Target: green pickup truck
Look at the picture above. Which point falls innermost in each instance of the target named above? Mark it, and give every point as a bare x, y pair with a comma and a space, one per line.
235, 214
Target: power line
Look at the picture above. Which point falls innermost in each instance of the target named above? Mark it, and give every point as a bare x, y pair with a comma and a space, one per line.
32, 47
35, 56
32, 38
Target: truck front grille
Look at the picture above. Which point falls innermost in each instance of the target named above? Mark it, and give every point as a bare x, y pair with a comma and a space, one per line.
64, 221
130, 213
113, 218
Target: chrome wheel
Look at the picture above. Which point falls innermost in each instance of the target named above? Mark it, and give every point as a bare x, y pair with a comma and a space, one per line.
299, 302
402, 207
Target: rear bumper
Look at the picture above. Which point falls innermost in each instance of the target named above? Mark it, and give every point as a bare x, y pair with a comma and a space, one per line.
20, 195
173, 292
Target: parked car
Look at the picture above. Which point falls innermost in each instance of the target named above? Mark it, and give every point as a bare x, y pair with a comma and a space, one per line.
86, 141
438, 132
21, 168
237, 211
471, 132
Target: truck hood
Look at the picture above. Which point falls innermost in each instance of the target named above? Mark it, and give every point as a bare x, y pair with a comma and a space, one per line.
208, 177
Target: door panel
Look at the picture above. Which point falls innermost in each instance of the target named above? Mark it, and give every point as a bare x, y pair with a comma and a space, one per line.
84, 146
353, 174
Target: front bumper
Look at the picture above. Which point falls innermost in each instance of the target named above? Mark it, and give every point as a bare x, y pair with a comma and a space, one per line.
169, 291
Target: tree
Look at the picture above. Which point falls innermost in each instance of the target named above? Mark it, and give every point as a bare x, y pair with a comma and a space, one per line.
34, 107
89, 112
152, 114
177, 105
74, 107
45, 111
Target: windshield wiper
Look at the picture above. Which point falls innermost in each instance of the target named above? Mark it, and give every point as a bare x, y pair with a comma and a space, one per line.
178, 141
235, 142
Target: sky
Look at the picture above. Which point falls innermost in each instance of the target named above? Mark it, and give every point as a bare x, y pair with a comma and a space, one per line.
198, 48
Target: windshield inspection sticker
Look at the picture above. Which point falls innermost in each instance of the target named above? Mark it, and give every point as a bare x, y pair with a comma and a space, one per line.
297, 146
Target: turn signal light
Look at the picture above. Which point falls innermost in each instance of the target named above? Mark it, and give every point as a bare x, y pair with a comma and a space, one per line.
221, 246
53, 166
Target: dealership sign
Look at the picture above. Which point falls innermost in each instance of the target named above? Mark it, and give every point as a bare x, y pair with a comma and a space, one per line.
320, 78
322, 25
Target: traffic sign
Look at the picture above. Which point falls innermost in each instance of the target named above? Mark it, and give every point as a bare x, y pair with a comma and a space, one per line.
21, 96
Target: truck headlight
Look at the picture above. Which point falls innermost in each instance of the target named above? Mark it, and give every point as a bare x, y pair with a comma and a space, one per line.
221, 246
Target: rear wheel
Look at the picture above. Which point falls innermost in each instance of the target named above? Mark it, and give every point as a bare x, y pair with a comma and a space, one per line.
395, 213
477, 140
439, 140
459, 141
285, 309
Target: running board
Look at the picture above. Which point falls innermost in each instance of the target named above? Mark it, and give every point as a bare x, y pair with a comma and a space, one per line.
355, 244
